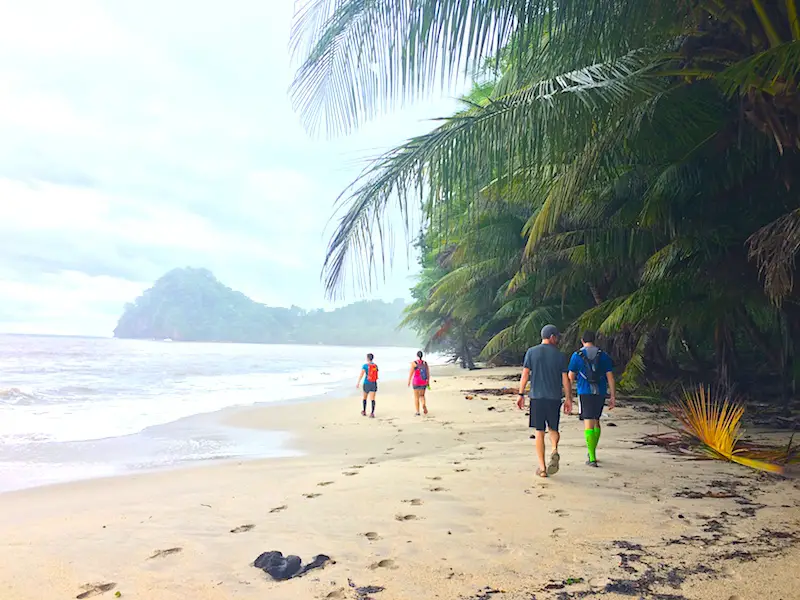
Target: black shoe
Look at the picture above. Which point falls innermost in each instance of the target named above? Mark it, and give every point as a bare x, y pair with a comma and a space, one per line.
592, 463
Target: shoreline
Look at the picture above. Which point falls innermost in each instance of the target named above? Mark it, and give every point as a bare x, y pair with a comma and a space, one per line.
445, 506
219, 436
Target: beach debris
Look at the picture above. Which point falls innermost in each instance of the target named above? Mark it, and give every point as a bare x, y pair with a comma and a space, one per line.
95, 589
710, 429
281, 567
363, 592
482, 392
487, 593
243, 528
117, 594
167, 552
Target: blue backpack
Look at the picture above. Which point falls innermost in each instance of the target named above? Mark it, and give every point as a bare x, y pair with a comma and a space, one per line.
422, 369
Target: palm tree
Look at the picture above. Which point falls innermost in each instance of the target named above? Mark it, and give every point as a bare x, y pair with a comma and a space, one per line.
654, 146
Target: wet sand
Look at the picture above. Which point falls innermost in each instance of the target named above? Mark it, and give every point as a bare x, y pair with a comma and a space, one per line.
444, 506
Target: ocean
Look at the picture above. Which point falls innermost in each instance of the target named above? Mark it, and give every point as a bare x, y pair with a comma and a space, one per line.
76, 408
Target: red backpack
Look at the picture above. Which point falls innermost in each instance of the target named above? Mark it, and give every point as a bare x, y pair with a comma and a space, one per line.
372, 372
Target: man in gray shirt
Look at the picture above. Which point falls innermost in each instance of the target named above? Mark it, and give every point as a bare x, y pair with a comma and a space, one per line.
546, 368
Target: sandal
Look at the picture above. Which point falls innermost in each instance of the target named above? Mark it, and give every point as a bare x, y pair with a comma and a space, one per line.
552, 467
541, 473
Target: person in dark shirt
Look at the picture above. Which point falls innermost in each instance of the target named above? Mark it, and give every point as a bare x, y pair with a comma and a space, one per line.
593, 372
546, 369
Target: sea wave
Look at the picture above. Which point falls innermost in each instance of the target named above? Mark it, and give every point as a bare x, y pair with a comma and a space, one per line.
15, 396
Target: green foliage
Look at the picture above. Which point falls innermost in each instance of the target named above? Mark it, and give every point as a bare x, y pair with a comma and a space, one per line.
192, 305
632, 168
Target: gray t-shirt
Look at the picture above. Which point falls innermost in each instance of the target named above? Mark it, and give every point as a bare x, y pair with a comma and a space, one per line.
547, 364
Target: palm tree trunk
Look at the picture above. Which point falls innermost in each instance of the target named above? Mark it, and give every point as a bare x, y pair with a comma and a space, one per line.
598, 300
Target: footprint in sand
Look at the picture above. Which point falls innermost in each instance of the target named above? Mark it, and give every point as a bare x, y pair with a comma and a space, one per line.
460, 470
435, 478
95, 589
545, 496
372, 536
386, 563
481, 448
405, 517
460, 440
324, 483
560, 512
163, 553
357, 466
279, 509
350, 473
414, 502
311, 495
336, 594
456, 462
372, 461
437, 489
557, 532
243, 528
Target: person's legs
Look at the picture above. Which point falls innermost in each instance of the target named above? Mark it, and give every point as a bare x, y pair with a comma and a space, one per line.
416, 402
591, 443
540, 452
537, 420
422, 401
553, 418
596, 435
555, 437
372, 399
591, 409
364, 405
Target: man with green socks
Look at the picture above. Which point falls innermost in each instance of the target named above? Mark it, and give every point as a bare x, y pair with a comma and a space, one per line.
592, 368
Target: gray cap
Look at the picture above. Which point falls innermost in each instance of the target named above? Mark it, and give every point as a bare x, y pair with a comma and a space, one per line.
549, 330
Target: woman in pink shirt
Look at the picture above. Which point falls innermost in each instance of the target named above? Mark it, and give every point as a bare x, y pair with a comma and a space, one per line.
419, 377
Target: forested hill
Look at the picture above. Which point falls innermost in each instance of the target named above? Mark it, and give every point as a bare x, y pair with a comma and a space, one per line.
192, 305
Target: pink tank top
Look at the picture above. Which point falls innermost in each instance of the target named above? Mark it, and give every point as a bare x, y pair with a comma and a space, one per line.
418, 380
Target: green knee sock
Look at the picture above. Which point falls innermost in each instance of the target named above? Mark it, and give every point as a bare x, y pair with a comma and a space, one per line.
591, 443
596, 432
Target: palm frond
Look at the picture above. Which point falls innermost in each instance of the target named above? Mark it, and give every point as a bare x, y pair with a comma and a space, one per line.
714, 420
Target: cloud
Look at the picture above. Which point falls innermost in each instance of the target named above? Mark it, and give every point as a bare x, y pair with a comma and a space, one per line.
135, 138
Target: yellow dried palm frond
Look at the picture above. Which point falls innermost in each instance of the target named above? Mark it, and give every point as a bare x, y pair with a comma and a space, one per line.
714, 420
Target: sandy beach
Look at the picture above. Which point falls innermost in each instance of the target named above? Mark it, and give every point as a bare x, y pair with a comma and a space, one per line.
439, 507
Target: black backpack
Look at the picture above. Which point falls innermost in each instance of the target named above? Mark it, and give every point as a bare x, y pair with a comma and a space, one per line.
593, 375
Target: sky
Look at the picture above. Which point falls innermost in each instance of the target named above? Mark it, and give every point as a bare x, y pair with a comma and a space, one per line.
136, 137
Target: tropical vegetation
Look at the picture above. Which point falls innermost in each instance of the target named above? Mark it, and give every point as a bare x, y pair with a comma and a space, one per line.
627, 166
192, 305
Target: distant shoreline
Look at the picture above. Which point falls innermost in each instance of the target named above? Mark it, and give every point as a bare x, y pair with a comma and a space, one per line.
113, 337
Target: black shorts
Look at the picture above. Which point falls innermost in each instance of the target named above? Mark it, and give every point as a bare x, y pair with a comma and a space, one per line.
545, 413
370, 387
591, 406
